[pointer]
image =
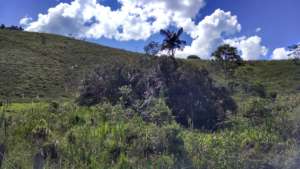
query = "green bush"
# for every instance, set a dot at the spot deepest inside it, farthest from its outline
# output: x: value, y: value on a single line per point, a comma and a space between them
x: 255, y: 89
x: 158, y: 112
x: 40, y: 131
x: 257, y: 110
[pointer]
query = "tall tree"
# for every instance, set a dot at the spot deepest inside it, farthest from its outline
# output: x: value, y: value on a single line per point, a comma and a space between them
x: 2, y: 26
x: 172, y: 41
x: 227, y: 58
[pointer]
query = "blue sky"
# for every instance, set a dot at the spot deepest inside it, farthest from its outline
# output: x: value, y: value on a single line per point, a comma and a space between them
x: 278, y: 21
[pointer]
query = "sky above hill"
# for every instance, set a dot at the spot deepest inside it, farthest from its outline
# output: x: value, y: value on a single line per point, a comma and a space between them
x: 260, y: 29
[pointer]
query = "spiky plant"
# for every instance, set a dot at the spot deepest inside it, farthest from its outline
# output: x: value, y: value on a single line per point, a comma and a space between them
x: 172, y: 41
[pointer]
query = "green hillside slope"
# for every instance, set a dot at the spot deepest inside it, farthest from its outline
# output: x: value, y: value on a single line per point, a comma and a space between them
x: 51, y: 66
x: 35, y: 64
x: 276, y: 76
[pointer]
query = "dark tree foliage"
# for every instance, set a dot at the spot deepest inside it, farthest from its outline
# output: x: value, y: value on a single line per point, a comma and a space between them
x: 172, y: 41
x: 18, y: 28
x: 103, y: 85
x: 191, y: 95
x: 188, y: 91
x: 152, y: 49
x: 227, y: 58
x: 193, y: 57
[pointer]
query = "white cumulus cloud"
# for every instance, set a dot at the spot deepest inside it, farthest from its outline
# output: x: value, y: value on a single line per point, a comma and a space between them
x: 209, y: 33
x: 280, y: 54
x: 251, y: 47
x: 25, y: 21
x: 135, y: 20
x: 139, y: 19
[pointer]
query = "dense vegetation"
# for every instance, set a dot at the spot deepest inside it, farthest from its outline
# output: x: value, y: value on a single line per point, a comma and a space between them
x: 142, y: 112
x: 188, y: 91
x: 265, y: 134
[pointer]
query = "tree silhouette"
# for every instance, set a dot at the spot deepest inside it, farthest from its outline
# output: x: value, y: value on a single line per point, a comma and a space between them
x: 227, y: 58
x: 172, y: 41
x: 2, y: 26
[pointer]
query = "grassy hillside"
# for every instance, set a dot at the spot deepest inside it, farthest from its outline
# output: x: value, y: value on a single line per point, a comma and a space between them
x: 280, y: 76
x: 50, y: 66
x: 35, y: 64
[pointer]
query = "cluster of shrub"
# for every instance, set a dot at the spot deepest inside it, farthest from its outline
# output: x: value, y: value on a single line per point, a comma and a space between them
x: 13, y: 27
x: 188, y: 91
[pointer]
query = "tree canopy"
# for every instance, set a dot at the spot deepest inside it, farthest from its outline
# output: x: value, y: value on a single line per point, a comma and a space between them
x: 227, y: 58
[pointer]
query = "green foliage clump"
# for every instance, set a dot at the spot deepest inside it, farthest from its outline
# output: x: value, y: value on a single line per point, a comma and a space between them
x: 256, y: 89
x: 257, y: 110
x: 158, y: 112
x: 40, y: 131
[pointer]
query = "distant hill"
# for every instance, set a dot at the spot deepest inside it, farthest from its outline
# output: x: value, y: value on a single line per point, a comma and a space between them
x: 50, y: 66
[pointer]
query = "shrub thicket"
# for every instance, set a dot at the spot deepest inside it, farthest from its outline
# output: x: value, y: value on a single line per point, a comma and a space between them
x: 188, y: 91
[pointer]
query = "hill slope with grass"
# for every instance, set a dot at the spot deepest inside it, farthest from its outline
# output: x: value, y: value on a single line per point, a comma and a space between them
x: 50, y: 66
x: 44, y: 65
